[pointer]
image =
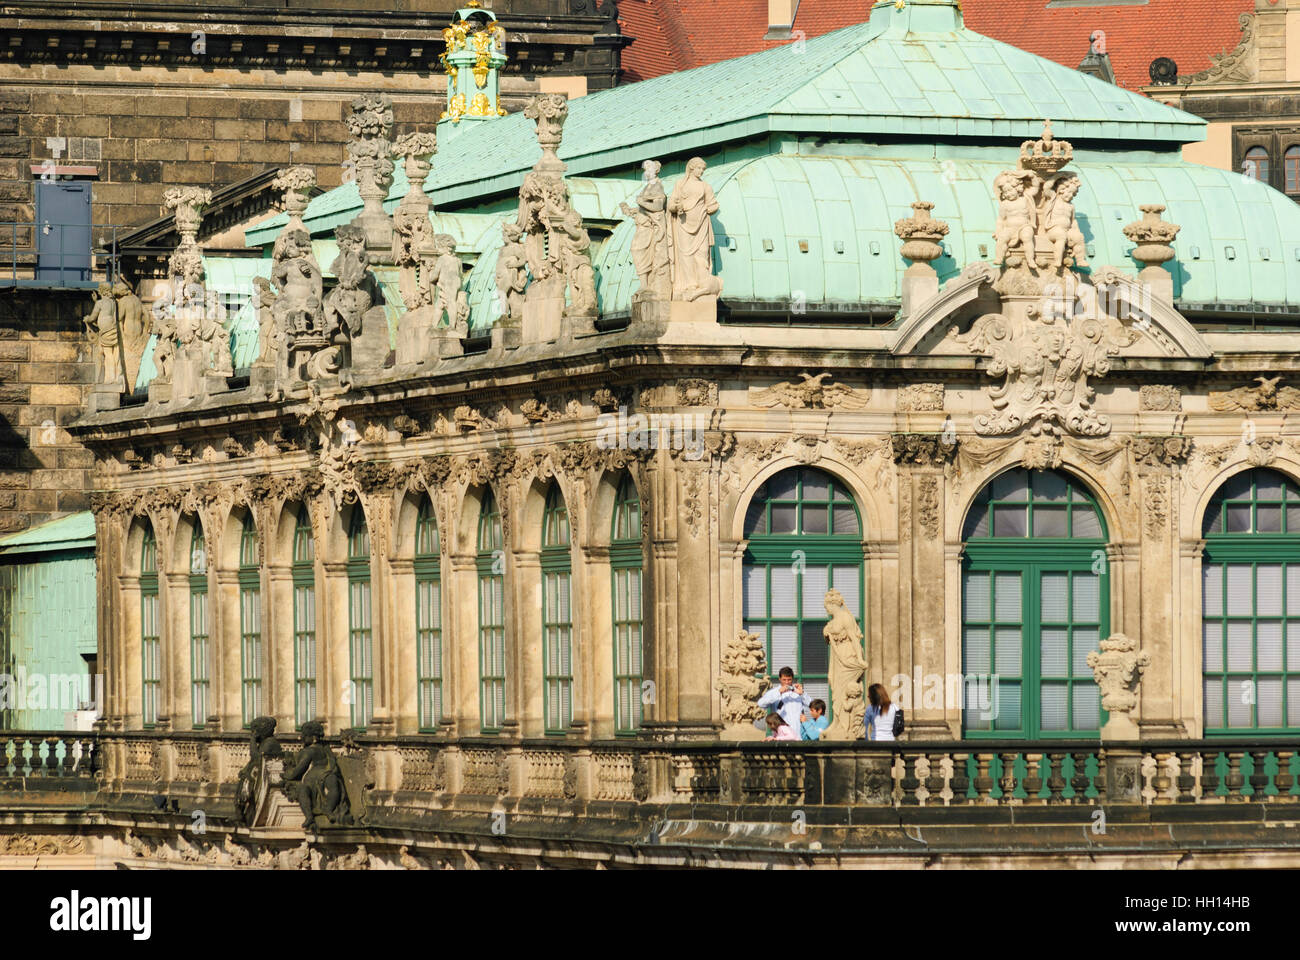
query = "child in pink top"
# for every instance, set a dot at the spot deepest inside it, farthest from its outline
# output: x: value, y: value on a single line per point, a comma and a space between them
x: 780, y: 729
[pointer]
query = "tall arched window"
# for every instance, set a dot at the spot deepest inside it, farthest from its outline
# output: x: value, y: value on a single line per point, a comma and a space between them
x: 428, y: 617
x: 360, y: 622
x: 250, y: 622
x: 150, y: 642
x: 557, y: 616
x: 1291, y: 170
x: 1256, y: 164
x: 1034, y: 604
x: 805, y: 537
x: 200, y: 652
x: 625, y: 571
x: 1251, y: 605
x: 491, y: 617
x: 303, y: 572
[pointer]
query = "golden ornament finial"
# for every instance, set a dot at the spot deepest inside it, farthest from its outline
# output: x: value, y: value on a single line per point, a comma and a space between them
x: 899, y: 4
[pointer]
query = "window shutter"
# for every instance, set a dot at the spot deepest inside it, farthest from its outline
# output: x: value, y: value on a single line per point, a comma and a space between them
x: 1054, y: 713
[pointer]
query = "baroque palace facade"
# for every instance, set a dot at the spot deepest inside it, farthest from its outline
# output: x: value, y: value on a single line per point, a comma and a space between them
x: 836, y: 357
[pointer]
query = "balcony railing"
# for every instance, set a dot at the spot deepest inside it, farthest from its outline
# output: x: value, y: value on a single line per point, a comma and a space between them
x: 900, y: 774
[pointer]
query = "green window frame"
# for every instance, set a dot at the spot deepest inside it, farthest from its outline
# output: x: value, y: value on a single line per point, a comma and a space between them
x: 490, y: 563
x: 804, y: 536
x: 428, y: 618
x: 150, y: 632
x: 303, y: 577
x: 200, y: 631
x: 557, y: 616
x: 1035, y: 602
x: 251, y: 653
x: 627, y: 582
x: 361, y: 649
x: 1250, y: 606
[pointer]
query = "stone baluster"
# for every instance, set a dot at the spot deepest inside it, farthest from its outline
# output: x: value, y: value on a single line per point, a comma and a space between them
x: 1259, y: 776
x: 1210, y: 776
x: 910, y: 781
x: 1235, y: 781
x: 1186, y: 778
x: 1007, y: 781
x: 1160, y: 780
x: 1056, y: 777
x: 935, y: 779
x: 1079, y: 782
x: 4, y: 756
x: 53, y: 768
x: 983, y: 779
x: 1033, y: 778
x: 960, y: 780
x: 1284, y: 780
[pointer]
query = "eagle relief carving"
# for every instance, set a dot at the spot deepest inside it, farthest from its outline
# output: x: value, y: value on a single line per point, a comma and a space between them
x: 811, y: 392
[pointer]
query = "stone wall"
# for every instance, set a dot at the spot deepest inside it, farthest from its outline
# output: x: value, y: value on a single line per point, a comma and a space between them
x: 46, y: 369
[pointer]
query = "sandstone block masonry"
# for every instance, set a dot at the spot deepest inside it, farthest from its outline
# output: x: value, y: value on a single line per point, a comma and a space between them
x: 46, y: 371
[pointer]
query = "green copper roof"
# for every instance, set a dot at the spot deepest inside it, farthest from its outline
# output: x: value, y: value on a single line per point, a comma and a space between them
x: 1240, y: 240
x: 73, y: 532
x: 910, y: 72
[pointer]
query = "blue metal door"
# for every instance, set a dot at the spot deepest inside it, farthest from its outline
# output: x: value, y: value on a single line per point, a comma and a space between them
x: 62, y: 231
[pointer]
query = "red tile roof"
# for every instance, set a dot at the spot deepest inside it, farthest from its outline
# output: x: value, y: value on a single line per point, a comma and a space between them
x: 1186, y: 31
x: 680, y: 34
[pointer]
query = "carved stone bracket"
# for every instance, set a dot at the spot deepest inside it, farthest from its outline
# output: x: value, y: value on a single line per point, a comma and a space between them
x: 923, y: 449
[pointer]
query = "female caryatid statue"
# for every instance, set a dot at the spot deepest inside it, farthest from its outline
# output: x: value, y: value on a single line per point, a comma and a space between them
x: 847, y: 666
x: 691, y: 206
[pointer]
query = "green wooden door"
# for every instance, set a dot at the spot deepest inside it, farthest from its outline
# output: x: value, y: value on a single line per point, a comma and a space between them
x: 1034, y: 604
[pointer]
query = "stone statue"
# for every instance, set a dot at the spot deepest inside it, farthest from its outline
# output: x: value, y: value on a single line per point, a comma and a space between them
x: 134, y: 329
x: 512, y: 272
x: 1017, y: 217
x: 847, y: 667
x: 1060, y: 227
x: 269, y: 337
x: 1118, y: 670
x: 315, y: 781
x: 411, y: 227
x: 571, y: 242
x: 650, y: 250
x: 444, y: 282
x: 357, y: 290
x: 164, y: 348
x: 101, y: 323
x: 298, y: 309
x: 254, y: 779
x: 214, y: 336
x: 692, y: 206
x: 741, y: 682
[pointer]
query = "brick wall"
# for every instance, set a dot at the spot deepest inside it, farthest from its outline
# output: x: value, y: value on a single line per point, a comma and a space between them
x: 46, y: 369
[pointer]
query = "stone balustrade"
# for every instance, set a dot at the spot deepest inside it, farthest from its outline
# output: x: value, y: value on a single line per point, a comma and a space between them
x: 900, y: 774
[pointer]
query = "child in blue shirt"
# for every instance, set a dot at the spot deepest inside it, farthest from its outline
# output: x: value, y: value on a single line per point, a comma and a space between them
x: 812, y: 726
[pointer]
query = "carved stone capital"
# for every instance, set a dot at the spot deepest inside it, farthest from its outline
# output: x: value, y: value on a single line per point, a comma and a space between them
x: 923, y: 449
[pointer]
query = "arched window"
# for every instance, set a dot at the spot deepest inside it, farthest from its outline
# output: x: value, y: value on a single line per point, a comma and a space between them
x: 250, y: 621
x: 1250, y: 605
x: 303, y: 572
x: 805, y: 537
x: 1291, y: 170
x: 625, y: 570
x: 428, y: 617
x: 360, y: 623
x: 491, y: 617
x: 150, y: 642
x: 1034, y: 604
x: 200, y: 652
x: 557, y: 616
x: 1256, y: 164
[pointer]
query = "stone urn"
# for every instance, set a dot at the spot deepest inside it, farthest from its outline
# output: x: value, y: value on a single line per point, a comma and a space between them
x: 1152, y: 235
x: 295, y: 184
x: 1118, y: 669
x: 922, y: 236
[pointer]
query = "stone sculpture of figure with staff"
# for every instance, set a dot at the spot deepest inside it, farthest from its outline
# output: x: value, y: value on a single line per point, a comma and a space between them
x: 846, y: 670
x: 692, y: 206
